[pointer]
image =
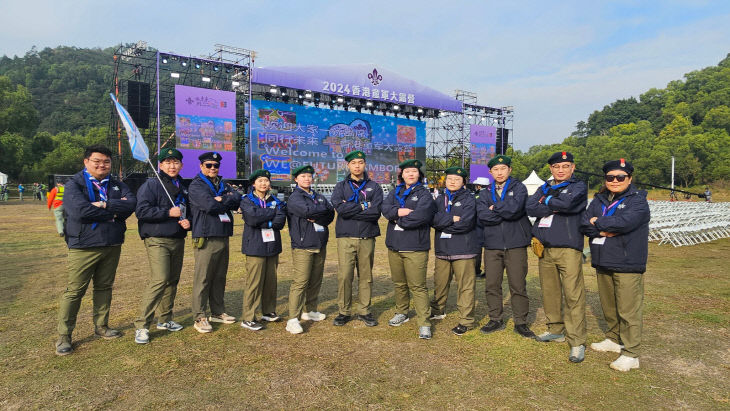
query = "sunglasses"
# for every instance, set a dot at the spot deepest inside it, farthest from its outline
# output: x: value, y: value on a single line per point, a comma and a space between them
x: 212, y: 165
x: 620, y: 178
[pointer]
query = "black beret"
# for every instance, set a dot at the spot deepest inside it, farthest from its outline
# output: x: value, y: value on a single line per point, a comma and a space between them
x: 259, y: 173
x: 169, y: 153
x: 561, y: 157
x: 210, y: 156
x: 459, y: 171
x: 500, y: 159
x: 354, y: 154
x: 302, y: 169
x: 410, y: 163
x: 620, y: 164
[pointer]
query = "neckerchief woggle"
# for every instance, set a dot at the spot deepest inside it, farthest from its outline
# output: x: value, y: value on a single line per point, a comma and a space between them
x: 611, y: 209
x: 91, y: 182
x: 221, y: 188
x: 450, y: 196
x: 546, y: 187
x: 402, y: 200
x: 356, y: 188
x: 504, y: 191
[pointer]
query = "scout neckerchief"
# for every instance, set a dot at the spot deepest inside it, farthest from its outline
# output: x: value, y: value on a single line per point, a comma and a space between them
x: 217, y: 191
x: 608, y: 211
x: 356, y: 188
x: 102, y: 187
x: 313, y: 196
x: 504, y: 191
x: 401, y: 186
x: 448, y: 199
x: 173, y: 187
x: 546, y: 187
x: 263, y: 203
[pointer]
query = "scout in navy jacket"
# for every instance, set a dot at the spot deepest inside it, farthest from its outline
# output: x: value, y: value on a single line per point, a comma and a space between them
x: 566, y: 202
x: 259, y: 214
x: 206, y: 210
x: 153, y: 207
x: 463, y: 235
x: 416, y: 226
x: 506, y: 225
x: 91, y: 226
x: 358, y: 208
x: 303, y: 207
x: 627, y: 216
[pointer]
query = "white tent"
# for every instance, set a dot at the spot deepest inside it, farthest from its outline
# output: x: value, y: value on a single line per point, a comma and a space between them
x: 3, y: 178
x: 533, y: 182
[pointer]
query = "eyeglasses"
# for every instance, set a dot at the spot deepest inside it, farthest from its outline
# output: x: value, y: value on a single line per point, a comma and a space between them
x: 558, y: 166
x: 620, y: 178
x: 212, y: 165
x: 101, y: 162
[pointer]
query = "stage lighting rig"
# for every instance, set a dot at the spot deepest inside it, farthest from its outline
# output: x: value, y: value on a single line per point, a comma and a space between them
x: 164, y: 59
x: 184, y: 63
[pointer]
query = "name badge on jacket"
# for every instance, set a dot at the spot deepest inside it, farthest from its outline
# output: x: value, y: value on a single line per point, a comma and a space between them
x: 546, y: 222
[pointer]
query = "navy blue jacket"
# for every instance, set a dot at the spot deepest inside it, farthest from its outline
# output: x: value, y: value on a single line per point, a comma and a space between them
x: 205, y: 210
x: 628, y: 251
x: 464, y: 237
x: 506, y: 226
x: 300, y: 209
x: 90, y: 226
x: 256, y: 218
x: 567, y: 205
x: 353, y: 219
x: 416, y: 234
x: 153, y: 208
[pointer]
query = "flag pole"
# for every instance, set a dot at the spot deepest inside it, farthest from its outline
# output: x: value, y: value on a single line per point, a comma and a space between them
x: 160, y: 180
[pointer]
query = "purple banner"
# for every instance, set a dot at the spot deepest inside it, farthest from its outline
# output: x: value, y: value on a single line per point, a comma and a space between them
x: 483, y: 148
x: 357, y: 81
x: 205, y: 120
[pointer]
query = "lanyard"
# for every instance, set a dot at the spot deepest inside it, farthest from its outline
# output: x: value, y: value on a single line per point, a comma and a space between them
x: 355, y: 188
x: 450, y: 196
x: 221, y: 188
x: 546, y: 187
x: 402, y: 199
x: 611, y: 209
x: 504, y: 191
x: 262, y: 203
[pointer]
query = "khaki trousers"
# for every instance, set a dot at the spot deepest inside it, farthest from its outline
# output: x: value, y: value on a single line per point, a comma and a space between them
x: 463, y: 272
x: 514, y: 260
x: 97, y: 264
x: 304, y: 290
x: 351, y: 253
x: 622, y: 301
x: 408, y: 272
x: 58, y: 215
x: 561, y: 277
x: 260, y: 287
x: 166, y: 260
x: 209, y: 280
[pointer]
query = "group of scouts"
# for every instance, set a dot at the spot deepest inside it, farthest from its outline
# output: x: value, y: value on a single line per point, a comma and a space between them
x: 496, y: 219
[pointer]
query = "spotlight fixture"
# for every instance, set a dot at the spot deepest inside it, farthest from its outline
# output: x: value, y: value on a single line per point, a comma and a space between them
x: 197, y: 64
x: 184, y: 63
x: 228, y: 69
x: 396, y: 107
x: 164, y: 60
x: 369, y: 104
x: 175, y: 75
x: 273, y: 90
x: 340, y: 99
x: 216, y: 68
x: 420, y: 110
x: 308, y: 95
x: 235, y: 84
x: 206, y: 79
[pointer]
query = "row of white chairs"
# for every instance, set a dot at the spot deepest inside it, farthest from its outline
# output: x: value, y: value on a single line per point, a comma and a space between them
x: 682, y: 223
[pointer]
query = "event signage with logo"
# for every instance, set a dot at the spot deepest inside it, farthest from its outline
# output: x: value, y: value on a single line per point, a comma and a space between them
x: 483, y: 148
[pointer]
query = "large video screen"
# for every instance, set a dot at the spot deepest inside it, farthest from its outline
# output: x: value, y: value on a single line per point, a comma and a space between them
x: 287, y: 136
x: 205, y: 120
x: 483, y: 148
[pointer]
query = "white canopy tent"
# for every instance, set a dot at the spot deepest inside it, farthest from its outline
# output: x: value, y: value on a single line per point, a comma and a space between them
x: 3, y: 178
x: 533, y: 182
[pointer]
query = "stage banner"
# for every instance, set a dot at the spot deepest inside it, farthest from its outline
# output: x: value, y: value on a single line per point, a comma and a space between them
x: 483, y: 147
x: 205, y: 120
x: 286, y: 136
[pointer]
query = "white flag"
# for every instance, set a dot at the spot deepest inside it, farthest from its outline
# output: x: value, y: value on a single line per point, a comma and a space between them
x: 136, y: 142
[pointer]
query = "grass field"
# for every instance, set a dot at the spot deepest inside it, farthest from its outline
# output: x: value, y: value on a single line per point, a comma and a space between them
x: 685, y: 361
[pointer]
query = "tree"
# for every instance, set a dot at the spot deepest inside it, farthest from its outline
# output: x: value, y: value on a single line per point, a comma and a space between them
x: 17, y: 114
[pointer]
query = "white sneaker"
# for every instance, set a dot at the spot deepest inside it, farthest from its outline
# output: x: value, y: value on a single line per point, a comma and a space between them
x: 313, y: 316
x: 625, y: 363
x: 142, y: 336
x: 607, y: 346
x: 294, y: 327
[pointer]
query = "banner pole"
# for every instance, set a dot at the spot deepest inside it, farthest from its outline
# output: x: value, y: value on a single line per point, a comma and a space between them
x: 160, y: 180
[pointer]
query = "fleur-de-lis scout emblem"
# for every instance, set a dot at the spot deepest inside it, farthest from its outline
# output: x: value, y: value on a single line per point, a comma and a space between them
x: 374, y: 77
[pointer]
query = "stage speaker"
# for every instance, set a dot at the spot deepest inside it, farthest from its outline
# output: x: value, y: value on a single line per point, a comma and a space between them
x: 138, y: 103
x: 502, y: 140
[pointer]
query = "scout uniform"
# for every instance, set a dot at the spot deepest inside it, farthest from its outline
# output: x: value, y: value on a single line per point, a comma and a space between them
x: 263, y: 221
x: 506, y: 236
x: 212, y: 225
x: 309, y: 247
x: 558, y: 209
x: 164, y: 240
x: 55, y: 201
x: 408, y: 242
x: 620, y: 262
x: 456, y: 245
x: 358, y: 206
x: 94, y: 236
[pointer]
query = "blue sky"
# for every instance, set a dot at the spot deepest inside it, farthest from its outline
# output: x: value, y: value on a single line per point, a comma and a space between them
x: 555, y: 62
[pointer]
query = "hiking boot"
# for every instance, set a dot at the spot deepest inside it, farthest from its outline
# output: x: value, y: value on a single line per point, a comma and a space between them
x: 424, y: 332
x: 169, y: 326
x: 107, y: 333
x: 341, y: 320
x: 202, y: 325
x: 492, y: 326
x: 252, y: 325
x: 577, y: 354
x: 294, y: 327
x: 313, y: 316
x: 63, y: 345
x: 271, y: 317
x: 548, y: 337
x: 459, y: 330
x: 142, y: 336
x: 607, y: 346
x: 625, y: 363
x: 368, y: 319
x: 398, y: 320
x: 222, y: 318
x: 524, y: 330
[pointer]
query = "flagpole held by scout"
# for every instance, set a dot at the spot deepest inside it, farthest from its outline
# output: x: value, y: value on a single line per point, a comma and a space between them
x: 136, y: 142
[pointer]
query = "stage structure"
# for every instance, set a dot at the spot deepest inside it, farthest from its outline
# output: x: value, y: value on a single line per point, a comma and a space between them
x: 195, y: 104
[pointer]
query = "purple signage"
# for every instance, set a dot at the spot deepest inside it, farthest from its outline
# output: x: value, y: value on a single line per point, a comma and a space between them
x: 205, y: 120
x: 483, y: 148
x: 357, y: 81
